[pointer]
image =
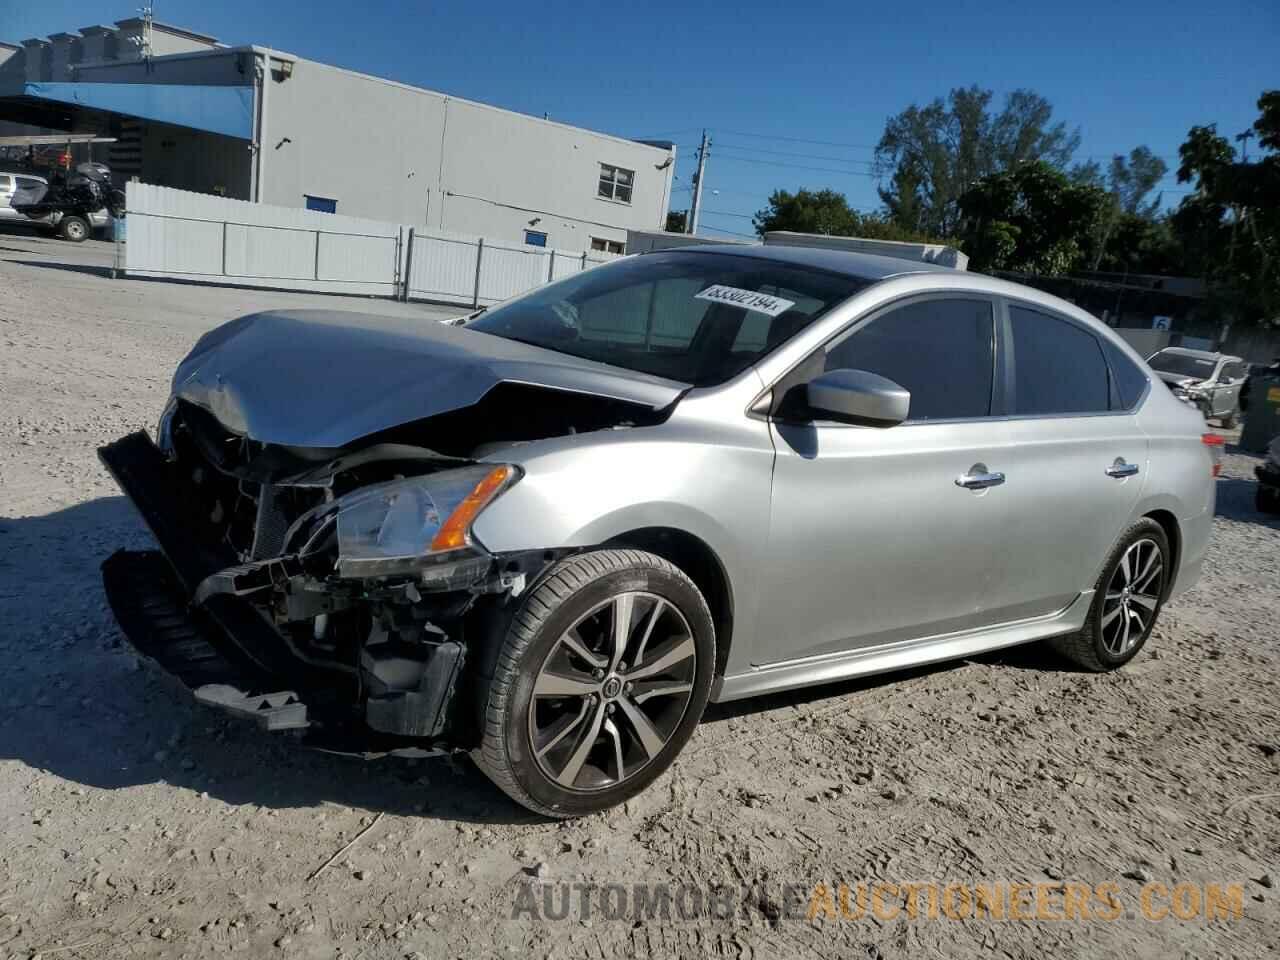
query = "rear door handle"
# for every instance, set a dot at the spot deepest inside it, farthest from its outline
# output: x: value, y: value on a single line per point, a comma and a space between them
x: 1120, y: 469
x: 979, y: 478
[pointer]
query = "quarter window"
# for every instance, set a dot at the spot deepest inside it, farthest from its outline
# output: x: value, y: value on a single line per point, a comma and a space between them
x: 942, y: 351
x: 1127, y: 379
x: 1058, y: 367
x: 616, y: 183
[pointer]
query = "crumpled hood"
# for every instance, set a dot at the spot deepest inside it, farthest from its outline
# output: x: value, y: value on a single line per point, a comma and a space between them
x: 324, y: 378
x: 1178, y: 379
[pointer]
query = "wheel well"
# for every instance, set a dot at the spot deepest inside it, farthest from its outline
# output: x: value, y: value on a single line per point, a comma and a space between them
x: 703, y: 567
x: 1169, y: 523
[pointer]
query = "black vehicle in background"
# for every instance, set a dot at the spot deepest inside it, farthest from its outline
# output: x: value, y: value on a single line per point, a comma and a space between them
x: 72, y: 203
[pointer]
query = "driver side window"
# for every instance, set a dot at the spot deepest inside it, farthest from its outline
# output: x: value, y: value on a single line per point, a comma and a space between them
x: 941, y: 350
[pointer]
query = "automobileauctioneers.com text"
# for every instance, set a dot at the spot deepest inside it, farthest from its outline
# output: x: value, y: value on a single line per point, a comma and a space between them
x: 927, y: 901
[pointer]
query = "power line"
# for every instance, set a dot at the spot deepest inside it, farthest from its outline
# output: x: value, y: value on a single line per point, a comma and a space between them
x: 773, y: 136
x: 734, y: 233
x: 800, y: 166
x: 785, y: 153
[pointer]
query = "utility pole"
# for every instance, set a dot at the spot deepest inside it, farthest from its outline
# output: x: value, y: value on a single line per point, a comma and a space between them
x: 691, y: 225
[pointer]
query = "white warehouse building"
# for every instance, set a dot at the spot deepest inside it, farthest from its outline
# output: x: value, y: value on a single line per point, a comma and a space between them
x: 257, y: 124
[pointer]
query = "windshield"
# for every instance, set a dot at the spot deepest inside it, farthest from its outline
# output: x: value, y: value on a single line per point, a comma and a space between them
x: 699, y: 318
x: 1182, y: 365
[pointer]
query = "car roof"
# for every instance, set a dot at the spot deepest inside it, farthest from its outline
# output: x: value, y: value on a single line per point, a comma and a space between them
x: 23, y: 173
x: 863, y: 266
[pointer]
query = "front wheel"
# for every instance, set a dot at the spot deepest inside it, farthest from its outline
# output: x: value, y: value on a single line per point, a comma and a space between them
x: 1127, y: 599
x: 75, y: 229
x: 601, y: 679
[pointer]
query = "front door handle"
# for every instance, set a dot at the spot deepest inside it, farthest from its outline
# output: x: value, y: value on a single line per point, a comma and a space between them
x: 1120, y: 469
x: 979, y: 478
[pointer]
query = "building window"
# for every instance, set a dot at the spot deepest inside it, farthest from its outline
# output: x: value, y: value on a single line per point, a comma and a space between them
x: 321, y: 204
x: 535, y: 238
x: 616, y: 183
x: 606, y: 246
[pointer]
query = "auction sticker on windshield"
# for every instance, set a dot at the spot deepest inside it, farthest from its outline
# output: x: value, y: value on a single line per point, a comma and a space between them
x: 746, y: 299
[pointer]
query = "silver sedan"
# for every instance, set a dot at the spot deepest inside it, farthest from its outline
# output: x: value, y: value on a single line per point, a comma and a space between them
x: 552, y: 534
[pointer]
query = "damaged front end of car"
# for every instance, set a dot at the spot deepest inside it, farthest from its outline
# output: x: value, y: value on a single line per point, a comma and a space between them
x: 312, y: 488
x: 318, y: 590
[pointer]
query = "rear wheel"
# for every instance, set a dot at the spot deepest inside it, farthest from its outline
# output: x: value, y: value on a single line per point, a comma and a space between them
x: 75, y: 229
x: 602, y: 677
x: 1127, y: 599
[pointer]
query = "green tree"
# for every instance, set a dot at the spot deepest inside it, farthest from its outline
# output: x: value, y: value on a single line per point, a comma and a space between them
x: 1133, y: 178
x: 1030, y: 219
x: 826, y: 212
x: 1130, y: 217
x: 676, y: 221
x: 932, y: 154
x: 808, y: 211
x: 1229, y: 228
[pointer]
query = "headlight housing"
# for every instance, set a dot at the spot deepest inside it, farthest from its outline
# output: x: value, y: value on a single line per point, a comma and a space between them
x: 406, y: 525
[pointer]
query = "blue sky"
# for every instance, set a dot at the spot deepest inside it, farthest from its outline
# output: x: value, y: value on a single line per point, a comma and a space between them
x: 1126, y: 72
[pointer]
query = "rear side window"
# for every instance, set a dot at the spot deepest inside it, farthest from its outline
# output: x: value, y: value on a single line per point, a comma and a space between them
x: 940, y: 350
x: 1127, y: 379
x: 1058, y: 367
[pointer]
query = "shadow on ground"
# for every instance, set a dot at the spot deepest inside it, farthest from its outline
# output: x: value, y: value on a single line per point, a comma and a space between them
x: 86, y: 268
x: 1236, y: 501
x: 75, y: 701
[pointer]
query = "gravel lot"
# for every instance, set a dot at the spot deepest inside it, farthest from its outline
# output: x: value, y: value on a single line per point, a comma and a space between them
x: 138, y: 824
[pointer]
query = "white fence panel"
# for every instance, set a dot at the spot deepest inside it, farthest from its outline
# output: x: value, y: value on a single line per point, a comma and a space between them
x: 194, y: 236
x: 566, y: 264
x: 443, y: 268
x: 508, y: 270
x: 199, y: 237
x: 345, y: 256
x: 255, y: 253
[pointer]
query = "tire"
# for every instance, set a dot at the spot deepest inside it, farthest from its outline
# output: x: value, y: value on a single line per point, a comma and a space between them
x: 1099, y: 646
x: 75, y: 229
x: 1229, y: 421
x: 532, y: 746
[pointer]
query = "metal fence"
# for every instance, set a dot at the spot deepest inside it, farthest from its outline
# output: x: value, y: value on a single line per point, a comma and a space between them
x: 197, y: 237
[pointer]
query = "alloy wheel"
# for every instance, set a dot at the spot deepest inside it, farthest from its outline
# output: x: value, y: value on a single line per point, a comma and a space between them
x: 1133, y: 596
x: 612, y: 691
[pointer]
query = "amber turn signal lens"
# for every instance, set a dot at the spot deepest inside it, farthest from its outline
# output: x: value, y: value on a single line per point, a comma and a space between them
x: 453, y: 532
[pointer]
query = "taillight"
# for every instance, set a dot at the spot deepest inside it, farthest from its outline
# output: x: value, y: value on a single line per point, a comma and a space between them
x: 1215, y: 443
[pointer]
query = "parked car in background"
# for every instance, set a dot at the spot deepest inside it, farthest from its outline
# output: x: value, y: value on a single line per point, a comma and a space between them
x: 1210, y: 382
x: 551, y: 534
x: 11, y: 183
x: 76, y: 226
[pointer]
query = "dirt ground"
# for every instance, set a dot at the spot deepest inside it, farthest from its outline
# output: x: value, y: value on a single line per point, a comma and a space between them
x: 137, y: 824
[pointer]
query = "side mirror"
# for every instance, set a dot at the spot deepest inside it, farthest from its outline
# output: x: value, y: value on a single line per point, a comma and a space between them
x: 858, y: 396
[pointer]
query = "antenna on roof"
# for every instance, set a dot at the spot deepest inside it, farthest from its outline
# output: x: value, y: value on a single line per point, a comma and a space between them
x: 148, y: 18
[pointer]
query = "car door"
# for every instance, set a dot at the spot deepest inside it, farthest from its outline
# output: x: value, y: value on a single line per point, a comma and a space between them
x: 1075, y: 464
x: 6, y: 197
x: 872, y: 540
x: 1226, y: 388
